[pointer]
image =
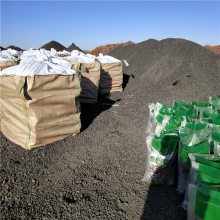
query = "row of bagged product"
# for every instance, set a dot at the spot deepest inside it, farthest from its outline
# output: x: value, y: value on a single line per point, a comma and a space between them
x: 101, y: 74
x: 41, y: 92
x: 187, y: 134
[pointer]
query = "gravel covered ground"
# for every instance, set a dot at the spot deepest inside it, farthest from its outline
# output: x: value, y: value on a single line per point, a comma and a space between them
x: 97, y: 174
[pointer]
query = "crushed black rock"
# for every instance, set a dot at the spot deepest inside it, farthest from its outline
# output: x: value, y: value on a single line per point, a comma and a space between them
x: 119, y: 160
x: 176, y: 82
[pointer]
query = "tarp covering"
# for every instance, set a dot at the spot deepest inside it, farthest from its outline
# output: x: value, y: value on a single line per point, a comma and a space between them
x: 77, y: 56
x: 39, y: 62
x: 107, y: 59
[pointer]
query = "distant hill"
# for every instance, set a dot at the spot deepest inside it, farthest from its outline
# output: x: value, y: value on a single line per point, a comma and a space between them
x: 73, y: 47
x: 105, y: 49
x: 54, y: 44
x: 2, y: 48
x: 214, y: 49
x: 14, y: 48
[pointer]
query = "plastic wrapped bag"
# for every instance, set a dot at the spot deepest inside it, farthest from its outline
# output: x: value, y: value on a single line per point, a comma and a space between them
x: 200, y: 104
x: 193, y: 139
x: 200, y: 107
x: 204, y: 202
x: 167, y: 123
x: 161, y: 153
x: 215, y: 102
x: 151, y: 119
x: 215, y: 141
x: 158, y: 113
x: 205, y: 168
x: 185, y: 110
x: 203, y: 191
x: 210, y: 116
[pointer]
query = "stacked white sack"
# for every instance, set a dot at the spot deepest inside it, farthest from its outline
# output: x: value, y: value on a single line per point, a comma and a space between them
x: 39, y: 62
x: 5, y: 56
x: 90, y: 56
x: 77, y: 56
x: 11, y: 52
x: 63, y: 53
x: 53, y: 52
x: 28, y: 54
x: 107, y: 59
x: 32, y: 53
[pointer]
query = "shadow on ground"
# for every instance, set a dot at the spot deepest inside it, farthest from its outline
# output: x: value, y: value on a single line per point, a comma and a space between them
x: 162, y: 201
x: 90, y: 111
x: 126, y: 79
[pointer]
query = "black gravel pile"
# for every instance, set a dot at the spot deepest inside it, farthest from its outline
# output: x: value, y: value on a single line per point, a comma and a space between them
x: 54, y: 44
x: 171, y: 68
x: 73, y: 47
x: 14, y: 48
x: 97, y: 174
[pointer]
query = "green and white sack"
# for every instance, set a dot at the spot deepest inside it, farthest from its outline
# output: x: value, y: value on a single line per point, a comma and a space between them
x: 200, y: 104
x: 200, y: 107
x: 151, y: 117
x: 204, y: 202
x: 166, y: 123
x: 161, y: 153
x: 156, y: 114
x: 211, y: 116
x: 205, y: 169
x: 215, y: 102
x: 193, y: 139
x: 215, y: 142
x: 184, y: 109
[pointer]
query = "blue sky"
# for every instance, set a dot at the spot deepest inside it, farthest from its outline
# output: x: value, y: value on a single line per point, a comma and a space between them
x: 89, y: 24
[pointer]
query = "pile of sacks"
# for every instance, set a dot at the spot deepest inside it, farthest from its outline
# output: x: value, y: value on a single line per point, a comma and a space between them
x: 41, y: 93
x: 189, y: 133
x: 99, y: 75
x: 8, y: 58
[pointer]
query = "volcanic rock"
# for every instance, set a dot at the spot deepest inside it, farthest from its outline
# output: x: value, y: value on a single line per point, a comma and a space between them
x: 54, y: 44
x: 73, y: 47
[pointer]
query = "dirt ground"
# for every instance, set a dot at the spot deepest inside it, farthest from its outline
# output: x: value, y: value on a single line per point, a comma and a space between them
x: 98, y: 173
x: 94, y: 175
